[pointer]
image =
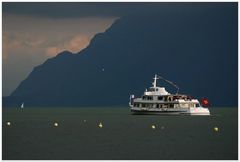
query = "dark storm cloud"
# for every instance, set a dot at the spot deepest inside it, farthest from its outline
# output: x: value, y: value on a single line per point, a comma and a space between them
x: 73, y: 9
x: 93, y: 9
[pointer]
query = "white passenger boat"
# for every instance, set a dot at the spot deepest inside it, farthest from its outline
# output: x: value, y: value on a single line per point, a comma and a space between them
x: 156, y: 100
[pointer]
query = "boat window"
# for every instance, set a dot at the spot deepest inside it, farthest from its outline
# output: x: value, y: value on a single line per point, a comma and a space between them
x: 164, y: 106
x: 150, y: 98
x: 176, y: 105
x: 153, y: 89
x: 149, y: 105
x: 184, y: 105
x: 165, y: 98
x: 160, y: 98
x: 136, y: 104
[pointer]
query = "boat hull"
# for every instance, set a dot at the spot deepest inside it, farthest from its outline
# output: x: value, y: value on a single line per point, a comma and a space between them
x: 170, y: 111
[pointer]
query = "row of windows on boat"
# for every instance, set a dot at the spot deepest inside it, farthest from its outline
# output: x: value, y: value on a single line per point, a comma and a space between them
x: 153, y: 89
x: 154, y: 105
x: 164, y: 98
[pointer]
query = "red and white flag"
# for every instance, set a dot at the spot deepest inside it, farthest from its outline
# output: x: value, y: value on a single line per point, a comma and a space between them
x: 204, y: 102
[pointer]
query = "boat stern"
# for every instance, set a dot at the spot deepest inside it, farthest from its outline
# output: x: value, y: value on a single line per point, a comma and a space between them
x: 199, y: 111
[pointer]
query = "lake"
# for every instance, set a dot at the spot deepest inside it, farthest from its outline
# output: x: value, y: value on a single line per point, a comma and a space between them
x: 32, y: 135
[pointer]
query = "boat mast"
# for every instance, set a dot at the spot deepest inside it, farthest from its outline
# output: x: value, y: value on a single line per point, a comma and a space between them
x: 155, y: 81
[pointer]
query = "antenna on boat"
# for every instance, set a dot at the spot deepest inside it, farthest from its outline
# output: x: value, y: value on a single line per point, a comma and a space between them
x: 169, y: 83
x: 155, y: 81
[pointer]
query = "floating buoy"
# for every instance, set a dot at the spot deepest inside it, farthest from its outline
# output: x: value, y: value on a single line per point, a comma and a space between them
x: 100, y: 125
x: 55, y: 124
x: 153, y: 127
x: 8, y: 123
x: 84, y: 121
x: 216, y: 129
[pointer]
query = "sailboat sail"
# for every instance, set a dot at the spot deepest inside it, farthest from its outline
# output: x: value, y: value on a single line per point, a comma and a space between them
x: 22, y: 106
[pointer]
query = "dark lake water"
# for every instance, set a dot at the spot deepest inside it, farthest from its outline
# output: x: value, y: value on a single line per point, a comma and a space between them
x: 32, y: 134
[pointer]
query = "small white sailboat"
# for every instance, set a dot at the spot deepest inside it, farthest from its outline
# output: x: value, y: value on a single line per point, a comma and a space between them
x: 22, y: 106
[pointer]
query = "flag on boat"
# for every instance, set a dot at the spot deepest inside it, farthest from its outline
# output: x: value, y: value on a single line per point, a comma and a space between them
x: 205, y: 102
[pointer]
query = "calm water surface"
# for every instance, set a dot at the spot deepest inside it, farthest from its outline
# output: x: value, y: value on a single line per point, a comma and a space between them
x: 32, y: 134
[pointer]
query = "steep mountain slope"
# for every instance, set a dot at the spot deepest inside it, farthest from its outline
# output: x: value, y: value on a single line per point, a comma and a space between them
x: 193, y: 45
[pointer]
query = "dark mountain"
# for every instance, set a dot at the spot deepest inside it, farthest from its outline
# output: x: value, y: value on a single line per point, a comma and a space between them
x: 193, y: 45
